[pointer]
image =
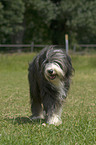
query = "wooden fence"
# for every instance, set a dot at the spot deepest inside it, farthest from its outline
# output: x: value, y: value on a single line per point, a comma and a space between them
x: 32, y: 47
x: 83, y: 46
x: 21, y: 47
x: 25, y: 47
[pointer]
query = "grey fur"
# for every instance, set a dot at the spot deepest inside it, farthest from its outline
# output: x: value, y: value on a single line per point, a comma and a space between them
x: 44, y: 95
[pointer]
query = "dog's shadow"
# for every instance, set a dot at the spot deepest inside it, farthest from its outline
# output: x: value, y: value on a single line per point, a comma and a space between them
x: 24, y: 120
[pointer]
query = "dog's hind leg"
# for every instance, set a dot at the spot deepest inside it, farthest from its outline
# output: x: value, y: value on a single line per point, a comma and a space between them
x: 37, y: 110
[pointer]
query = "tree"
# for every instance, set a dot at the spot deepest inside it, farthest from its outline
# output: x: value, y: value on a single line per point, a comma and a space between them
x: 76, y: 18
x: 11, y: 18
x: 38, y: 16
x: 84, y: 21
x: 47, y: 21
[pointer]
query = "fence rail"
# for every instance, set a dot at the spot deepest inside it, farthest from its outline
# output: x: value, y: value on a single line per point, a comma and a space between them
x: 15, y: 45
x: 83, y: 46
x: 31, y: 47
x: 26, y: 45
x: 87, y: 45
x: 20, y: 47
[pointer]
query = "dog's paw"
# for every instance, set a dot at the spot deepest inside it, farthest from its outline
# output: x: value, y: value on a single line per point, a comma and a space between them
x: 55, y: 120
x: 43, y: 124
x: 33, y: 117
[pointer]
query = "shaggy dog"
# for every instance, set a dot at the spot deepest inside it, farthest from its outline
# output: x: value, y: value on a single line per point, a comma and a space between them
x: 49, y: 81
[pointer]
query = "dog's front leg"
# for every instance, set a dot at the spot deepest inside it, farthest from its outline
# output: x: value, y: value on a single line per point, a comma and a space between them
x: 54, y: 116
x: 53, y: 111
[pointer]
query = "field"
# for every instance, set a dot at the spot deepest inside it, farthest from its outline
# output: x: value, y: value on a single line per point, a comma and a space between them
x: 79, y: 113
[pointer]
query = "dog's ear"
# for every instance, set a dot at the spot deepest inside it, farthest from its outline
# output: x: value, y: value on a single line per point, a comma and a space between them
x: 70, y: 69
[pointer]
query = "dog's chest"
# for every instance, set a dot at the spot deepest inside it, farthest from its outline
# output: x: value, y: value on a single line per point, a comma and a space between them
x: 61, y: 90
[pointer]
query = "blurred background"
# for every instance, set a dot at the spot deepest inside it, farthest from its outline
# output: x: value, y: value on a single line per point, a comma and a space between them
x: 47, y: 22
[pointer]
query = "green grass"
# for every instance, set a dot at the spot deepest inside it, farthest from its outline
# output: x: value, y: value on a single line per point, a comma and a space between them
x: 79, y: 113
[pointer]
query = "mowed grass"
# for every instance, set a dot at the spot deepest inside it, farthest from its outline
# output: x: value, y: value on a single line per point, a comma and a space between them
x: 79, y: 112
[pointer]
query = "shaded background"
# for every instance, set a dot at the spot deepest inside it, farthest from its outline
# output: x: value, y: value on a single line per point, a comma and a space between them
x: 47, y: 21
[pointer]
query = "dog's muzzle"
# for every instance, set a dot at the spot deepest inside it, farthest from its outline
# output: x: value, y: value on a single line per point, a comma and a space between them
x: 51, y: 74
x: 52, y: 71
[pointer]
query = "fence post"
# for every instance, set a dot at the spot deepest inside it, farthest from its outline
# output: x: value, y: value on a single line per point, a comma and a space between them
x: 74, y: 47
x: 66, y: 42
x: 32, y: 46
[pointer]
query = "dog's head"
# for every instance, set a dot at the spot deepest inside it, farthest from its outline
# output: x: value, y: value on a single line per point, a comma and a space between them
x: 57, y: 66
x: 53, y: 71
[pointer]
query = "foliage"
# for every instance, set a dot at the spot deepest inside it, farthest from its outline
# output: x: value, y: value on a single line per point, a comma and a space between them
x: 11, y: 18
x: 38, y: 16
x: 47, y: 21
x: 79, y: 117
x: 76, y: 18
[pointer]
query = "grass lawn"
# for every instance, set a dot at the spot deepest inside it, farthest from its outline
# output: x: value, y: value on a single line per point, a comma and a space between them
x: 79, y: 113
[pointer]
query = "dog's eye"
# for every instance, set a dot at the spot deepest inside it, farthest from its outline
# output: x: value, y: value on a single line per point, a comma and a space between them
x: 46, y: 61
x: 58, y: 64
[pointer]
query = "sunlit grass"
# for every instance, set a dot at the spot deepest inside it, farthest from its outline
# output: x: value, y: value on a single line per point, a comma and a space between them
x: 79, y: 117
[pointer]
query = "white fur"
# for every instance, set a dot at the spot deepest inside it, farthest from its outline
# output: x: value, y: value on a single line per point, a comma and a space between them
x: 61, y: 89
x: 36, y: 117
x: 57, y: 81
x: 56, y: 70
x: 55, y: 119
x: 55, y: 67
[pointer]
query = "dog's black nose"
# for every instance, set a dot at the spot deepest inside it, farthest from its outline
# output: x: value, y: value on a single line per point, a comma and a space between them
x: 50, y: 71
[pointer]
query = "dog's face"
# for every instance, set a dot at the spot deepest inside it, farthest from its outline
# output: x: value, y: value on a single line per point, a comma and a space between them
x: 54, y: 73
x: 56, y: 66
